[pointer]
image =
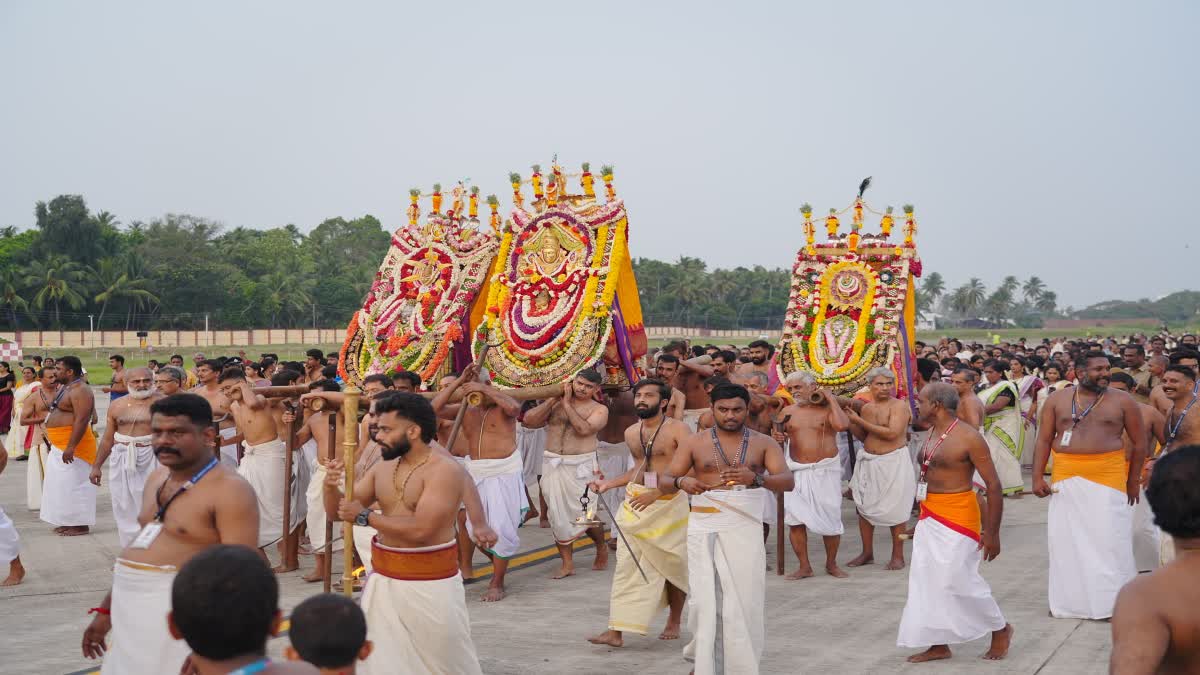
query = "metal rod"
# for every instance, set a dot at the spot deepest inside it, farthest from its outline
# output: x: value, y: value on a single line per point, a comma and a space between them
x: 600, y: 498
x: 350, y: 417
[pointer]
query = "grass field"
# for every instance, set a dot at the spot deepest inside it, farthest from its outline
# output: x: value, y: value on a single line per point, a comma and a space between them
x: 96, y: 361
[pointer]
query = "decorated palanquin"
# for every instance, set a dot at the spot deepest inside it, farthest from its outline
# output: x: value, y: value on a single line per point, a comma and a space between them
x: 562, y: 296
x: 851, y: 306
x: 416, y: 315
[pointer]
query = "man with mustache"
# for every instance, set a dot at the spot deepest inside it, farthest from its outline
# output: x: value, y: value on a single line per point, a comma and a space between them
x: 414, y: 602
x: 762, y: 361
x: 1090, y: 521
x: 127, y: 439
x: 208, y: 373
x: 654, y: 523
x: 689, y: 377
x: 191, y: 502
x: 68, y: 497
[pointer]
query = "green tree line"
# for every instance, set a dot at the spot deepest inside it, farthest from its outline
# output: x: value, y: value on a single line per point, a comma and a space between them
x: 1012, y: 302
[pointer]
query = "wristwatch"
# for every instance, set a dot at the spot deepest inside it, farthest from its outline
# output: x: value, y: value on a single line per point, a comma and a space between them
x: 362, y: 518
x: 759, y: 481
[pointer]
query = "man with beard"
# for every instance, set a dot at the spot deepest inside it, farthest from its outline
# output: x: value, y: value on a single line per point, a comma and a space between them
x: 208, y: 373
x: 948, y: 601
x: 724, y: 362
x: 726, y: 554
x: 1180, y: 357
x: 809, y: 436
x: 689, y: 379
x: 654, y: 524
x: 68, y: 497
x: 1089, y: 523
x: 762, y: 361
x: 127, y: 439
x: 495, y: 467
x: 191, y: 502
x: 666, y: 369
x: 572, y: 420
x: 414, y: 602
x: 970, y: 407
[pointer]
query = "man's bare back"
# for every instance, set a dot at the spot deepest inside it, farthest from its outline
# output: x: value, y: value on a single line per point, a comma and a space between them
x: 1156, y: 621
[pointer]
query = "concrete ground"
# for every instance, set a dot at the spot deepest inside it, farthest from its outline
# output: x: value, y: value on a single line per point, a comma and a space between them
x: 816, y: 625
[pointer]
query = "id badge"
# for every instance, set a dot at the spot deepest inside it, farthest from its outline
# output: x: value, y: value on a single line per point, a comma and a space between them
x: 922, y: 491
x: 651, y: 480
x: 1066, y: 439
x: 148, y: 534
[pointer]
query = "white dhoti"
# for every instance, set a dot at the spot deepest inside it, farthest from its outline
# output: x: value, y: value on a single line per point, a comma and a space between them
x: 658, y: 537
x: 613, y: 459
x: 262, y: 467
x: 141, y: 599
x: 884, y: 486
x: 501, y: 488
x: 531, y: 443
x: 68, y: 496
x: 692, y: 418
x: 315, y: 517
x: 948, y: 601
x: 419, y: 625
x: 816, y: 500
x: 1089, y: 535
x: 130, y: 464
x: 10, y: 541
x: 229, y: 453
x: 564, y: 478
x: 39, y: 454
x: 310, y: 452
x: 726, y: 582
x: 1147, y: 538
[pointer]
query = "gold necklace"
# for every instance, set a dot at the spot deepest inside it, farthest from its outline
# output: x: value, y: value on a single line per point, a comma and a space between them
x: 401, y: 487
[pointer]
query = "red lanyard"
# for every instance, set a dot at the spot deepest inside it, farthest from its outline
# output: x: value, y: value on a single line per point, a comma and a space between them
x: 929, y: 453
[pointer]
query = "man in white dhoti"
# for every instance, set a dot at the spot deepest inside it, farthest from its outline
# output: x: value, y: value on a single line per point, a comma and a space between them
x: 490, y: 426
x: 948, y: 601
x: 686, y: 373
x: 1089, y: 523
x: 809, y: 430
x: 127, y: 448
x: 68, y: 497
x: 654, y: 524
x: 326, y: 439
x: 1146, y: 537
x: 532, y: 445
x: 208, y: 372
x: 34, y: 411
x: 191, y: 502
x: 1003, y: 426
x: 414, y: 602
x: 612, y: 452
x: 726, y: 553
x: 569, y: 464
x: 883, y: 484
x: 10, y: 542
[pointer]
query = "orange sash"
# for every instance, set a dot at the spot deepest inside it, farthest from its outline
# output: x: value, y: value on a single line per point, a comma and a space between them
x: 958, y: 511
x: 59, y: 437
x: 423, y: 564
x: 1104, y: 468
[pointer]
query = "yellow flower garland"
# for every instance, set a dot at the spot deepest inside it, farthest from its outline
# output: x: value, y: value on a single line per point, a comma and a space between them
x: 589, y: 289
x: 860, y: 335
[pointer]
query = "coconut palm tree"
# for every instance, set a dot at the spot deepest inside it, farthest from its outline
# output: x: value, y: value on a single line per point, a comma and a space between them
x: 114, y: 281
x: 974, y: 294
x: 933, y: 287
x: 12, y: 286
x: 54, y: 281
x: 1046, y: 302
x: 1032, y: 289
x: 1010, y: 284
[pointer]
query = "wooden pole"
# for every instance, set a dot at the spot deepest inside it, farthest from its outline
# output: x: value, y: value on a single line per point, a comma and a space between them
x: 329, y: 454
x: 350, y: 417
x: 289, y: 444
x: 779, y: 528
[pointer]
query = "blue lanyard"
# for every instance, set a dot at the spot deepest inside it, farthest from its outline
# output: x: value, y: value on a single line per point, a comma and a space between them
x: 162, y: 510
x: 1173, y: 431
x: 1076, y: 418
x: 256, y: 667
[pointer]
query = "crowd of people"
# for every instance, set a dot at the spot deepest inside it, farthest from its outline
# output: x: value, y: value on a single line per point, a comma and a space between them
x: 690, y: 465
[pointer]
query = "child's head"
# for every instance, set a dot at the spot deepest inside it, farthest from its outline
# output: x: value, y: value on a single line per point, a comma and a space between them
x: 328, y: 631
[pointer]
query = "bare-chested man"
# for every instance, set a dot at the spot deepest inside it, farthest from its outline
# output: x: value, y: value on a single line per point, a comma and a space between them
x: 762, y: 361
x: 10, y: 541
x: 191, y: 502
x: 1180, y: 357
x: 665, y: 370
x: 127, y: 438
x: 68, y: 496
x: 263, y: 464
x: 808, y: 432
x: 948, y: 601
x: 1096, y: 482
x: 970, y: 406
x: 492, y: 460
x: 1154, y: 625
x: 315, y: 427
x: 207, y: 373
x: 726, y: 553
x: 1182, y: 424
x: 1147, y: 544
x: 612, y: 452
x: 653, y: 523
x: 169, y: 380
x: 314, y: 363
x: 117, y: 387
x: 414, y: 601
x: 724, y: 363
x: 883, y: 484
x: 34, y: 411
x: 689, y: 379
x: 572, y: 421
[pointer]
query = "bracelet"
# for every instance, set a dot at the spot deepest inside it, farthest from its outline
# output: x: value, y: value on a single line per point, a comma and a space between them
x: 99, y: 610
x: 676, y: 481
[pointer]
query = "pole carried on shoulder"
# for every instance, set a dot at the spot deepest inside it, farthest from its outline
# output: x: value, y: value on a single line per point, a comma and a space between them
x: 350, y: 446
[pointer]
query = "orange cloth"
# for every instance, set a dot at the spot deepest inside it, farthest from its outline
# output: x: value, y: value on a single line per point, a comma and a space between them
x: 59, y: 437
x: 957, y: 510
x: 425, y: 564
x: 1104, y: 468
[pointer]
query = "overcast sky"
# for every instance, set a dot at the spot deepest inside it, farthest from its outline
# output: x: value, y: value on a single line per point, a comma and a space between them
x: 1050, y: 138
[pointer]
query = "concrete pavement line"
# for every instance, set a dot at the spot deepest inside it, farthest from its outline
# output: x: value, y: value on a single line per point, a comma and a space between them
x: 1078, y: 623
x: 523, y: 560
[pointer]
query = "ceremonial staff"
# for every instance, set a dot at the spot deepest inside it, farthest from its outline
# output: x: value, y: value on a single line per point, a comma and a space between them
x: 349, y: 447
x: 289, y: 447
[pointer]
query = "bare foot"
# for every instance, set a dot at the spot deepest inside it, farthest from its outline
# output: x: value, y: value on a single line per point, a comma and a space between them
x: 73, y: 531
x: 58, y: 530
x: 281, y: 568
x: 16, y: 572
x: 835, y: 571
x: 612, y: 638
x: 862, y: 559
x: 314, y: 576
x: 612, y: 544
x: 493, y: 594
x: 671, y: 632
x: 601, y: 558
x: 564, y: 572
x: 934, y: 653
x: 1001, y: 639
x: 543, y: 521
x: 802, y: 573
x: 895, y: 564
x: 529, y: 515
